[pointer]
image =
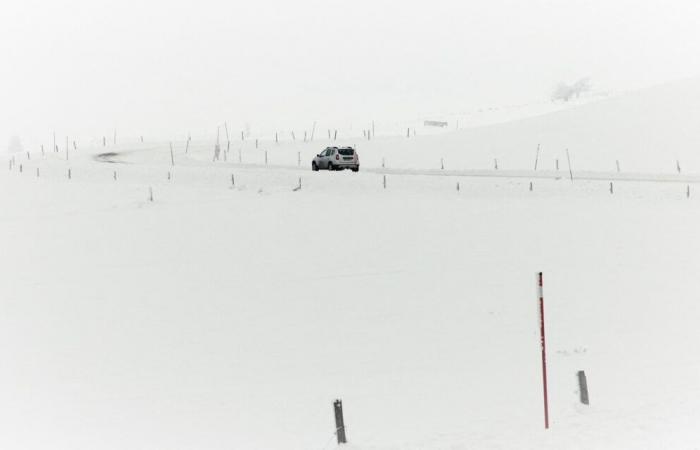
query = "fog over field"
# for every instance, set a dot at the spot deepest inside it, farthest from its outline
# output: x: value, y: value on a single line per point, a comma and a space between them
x: 154, y: 67
x: 185, y: 266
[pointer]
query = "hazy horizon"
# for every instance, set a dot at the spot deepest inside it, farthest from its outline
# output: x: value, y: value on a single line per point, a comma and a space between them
x: 163, y: 68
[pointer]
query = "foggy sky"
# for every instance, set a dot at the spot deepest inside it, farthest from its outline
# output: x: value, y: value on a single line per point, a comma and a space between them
x: 85, y: 67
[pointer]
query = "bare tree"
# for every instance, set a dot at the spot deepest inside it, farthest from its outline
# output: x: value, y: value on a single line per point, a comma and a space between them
x: 566, y: 92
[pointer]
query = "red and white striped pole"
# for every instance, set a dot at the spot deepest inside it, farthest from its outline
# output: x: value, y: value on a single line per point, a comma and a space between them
x: 544, y: 357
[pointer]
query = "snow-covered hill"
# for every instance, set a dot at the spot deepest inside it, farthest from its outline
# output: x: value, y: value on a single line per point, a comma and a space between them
x: 230, y: 316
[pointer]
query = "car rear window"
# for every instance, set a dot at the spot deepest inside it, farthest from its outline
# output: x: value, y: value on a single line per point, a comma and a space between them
x: 346, y: 151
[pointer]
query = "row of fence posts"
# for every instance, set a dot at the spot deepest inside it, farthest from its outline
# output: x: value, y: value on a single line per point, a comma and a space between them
x: 384, y: 179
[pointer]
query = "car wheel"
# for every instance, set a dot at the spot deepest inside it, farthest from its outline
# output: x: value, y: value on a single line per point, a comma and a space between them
x: 314, y: 167
x: 355, y: 169
x: 330, y: 166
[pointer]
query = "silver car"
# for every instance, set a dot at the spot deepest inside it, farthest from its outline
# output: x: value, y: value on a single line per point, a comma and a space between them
x: 337, y: 158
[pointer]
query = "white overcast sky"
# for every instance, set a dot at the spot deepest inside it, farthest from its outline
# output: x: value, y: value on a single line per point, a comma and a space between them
x: 84, y: 67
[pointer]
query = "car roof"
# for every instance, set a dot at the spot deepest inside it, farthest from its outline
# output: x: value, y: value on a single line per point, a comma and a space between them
x: 339, y: 148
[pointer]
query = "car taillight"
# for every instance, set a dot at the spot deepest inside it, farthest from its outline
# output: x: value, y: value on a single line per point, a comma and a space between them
x: 337, y: 157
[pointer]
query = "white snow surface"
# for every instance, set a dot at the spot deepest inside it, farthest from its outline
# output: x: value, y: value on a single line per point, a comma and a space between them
x: 231, y: 317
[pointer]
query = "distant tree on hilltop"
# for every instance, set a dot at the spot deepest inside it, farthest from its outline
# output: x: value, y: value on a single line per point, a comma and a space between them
x: 566, y: 92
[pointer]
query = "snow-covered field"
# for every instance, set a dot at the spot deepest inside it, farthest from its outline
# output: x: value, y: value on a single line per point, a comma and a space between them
x: 230, y: 317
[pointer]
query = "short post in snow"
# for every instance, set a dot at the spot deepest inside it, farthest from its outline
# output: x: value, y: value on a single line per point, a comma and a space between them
x: 611, y: 187
x: 233, y: 181
x: 265, y: 157
x: 530, y: 186
x: 582, y: 386
x: 69, y: 174
x: 495, y: 164
x: 687, y: 191
x: 384, y: 181
x: 339, y: 422
x: 458, y: 186
x: 115, y: 175
x: 150, y: 193
x: 542, y: 344
x: 442, y: 164
x: 568, y: 159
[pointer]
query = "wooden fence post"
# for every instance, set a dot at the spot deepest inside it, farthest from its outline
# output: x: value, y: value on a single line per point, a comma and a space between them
x: 583, y: 387
x: 339, y: 422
